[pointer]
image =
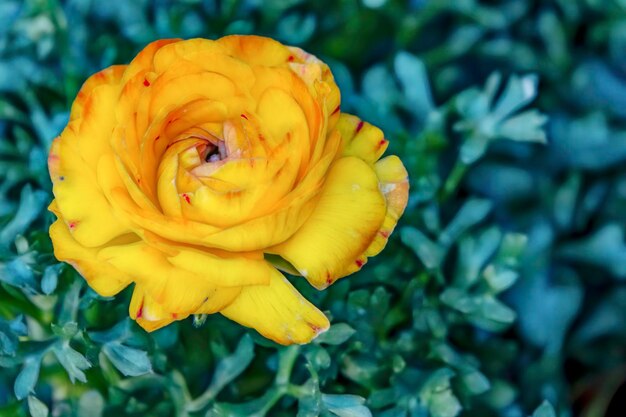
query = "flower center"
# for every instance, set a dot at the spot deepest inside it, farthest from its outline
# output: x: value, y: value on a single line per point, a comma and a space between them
x: 214, y: 153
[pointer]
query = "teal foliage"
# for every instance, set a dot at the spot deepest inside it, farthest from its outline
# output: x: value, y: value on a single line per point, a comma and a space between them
x: 502, y: 291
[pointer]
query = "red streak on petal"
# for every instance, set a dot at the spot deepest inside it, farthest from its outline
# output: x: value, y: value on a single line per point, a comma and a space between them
x: 329, y: 280
x: 359, y: 263
x: 157, y: 138
x: 384, y: 234
x: 382, y: 143
x: 174, y: 315
x: 146, y: 83
x: 244, y: 116
x: 291, y: 58
x: 314, y: 327
x: 337, y: 111
x: 72, y: 225
x: 140, y: 311
x: 359, y: 126
x: 186, y: 197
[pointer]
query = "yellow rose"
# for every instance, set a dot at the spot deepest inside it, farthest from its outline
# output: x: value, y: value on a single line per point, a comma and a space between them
x: 196, y: 168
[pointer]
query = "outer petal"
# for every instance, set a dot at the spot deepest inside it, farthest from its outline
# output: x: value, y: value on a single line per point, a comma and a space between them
x: 151, y: 315
x: 176, y: 290
x: 111, y: 75
x: 361, y: 139
x: 349, y: 213
x: 277, y: 311
x: 82, y: 205
x: 74, y: 157
x: 105, y: 279
x: 394, y: 183
x: 144, y: 59
x: 256, y: 50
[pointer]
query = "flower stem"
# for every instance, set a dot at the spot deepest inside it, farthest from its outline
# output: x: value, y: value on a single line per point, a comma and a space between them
x: 453, y: 180
x: 286, y: 360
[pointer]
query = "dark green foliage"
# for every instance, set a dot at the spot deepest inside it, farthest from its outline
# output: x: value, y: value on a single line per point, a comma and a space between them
x: 501, y: 292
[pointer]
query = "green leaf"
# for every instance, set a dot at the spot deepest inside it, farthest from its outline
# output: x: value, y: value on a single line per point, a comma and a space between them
x: 587, y: 143
x: 444, y: 404
x: 605, y: 320
x: 413, y: 77
x: 379, y: 87
x: 606, y: 249
x: 18, y: 273
x: 544, y: 410
x: 437, y: 395
x: 565, y: 200
x: 493, y: 309
x: 31, y: 204
x: 484, y: 121
x: 473, y: 149
x: 73, y: 362
x: 512, y: 248
x: 50, y: 278
x: 374, y: 4
x: 281, y: 264
x: 319, y: 357
x: 547, y: 304
x: 129, y: 361
x: 71, y: 302
x: 310, y: 405
x: 296, y: 28
x: 475, y: 382
x: 499, y: 279
x: 91, y: 404
x: 27, y: 378
x: 346, y: 405
x: 66, y: 331
x: 526, y: 126
x: 9, y: 335
x: 471, y: 213
x: 232, y: 366
x: 336, y: 335
x: 474, y: 252
x: 118, y: 333
x: 384, y: 397
x: 36, y: 407
x: 483, y: 310
x: 519, y: 92
x: 430, y: 253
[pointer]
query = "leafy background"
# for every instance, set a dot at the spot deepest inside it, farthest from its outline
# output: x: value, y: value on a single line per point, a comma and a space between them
x: 502, y: 292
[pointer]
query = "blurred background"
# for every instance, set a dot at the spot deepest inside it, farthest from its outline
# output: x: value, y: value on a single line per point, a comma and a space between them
x: 502, y: 291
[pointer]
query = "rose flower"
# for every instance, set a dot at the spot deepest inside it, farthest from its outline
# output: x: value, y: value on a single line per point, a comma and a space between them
x: 203, y: 166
